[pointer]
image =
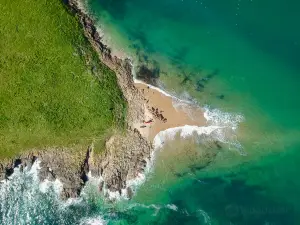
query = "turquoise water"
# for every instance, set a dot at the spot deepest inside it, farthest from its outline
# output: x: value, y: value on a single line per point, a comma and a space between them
x: 250, y: 51
x: 238, y: 56
x: 253, y: 53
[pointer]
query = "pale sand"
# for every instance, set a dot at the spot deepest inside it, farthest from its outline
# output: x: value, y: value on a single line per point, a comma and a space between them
x: 183, y: 114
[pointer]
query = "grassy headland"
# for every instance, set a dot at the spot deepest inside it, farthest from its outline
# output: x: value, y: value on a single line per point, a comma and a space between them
x: 53, y: 88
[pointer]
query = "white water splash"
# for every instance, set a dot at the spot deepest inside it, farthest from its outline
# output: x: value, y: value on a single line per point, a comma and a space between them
x: 93, y: 221
x: 133, y: 184
x: 137, y: 181
x: 222, y: 126
x: 206, y: 218
x: 230, y: 121
x: 23, y: 200
x: 172, y: 207
x: 220, y: 118
x: 46, y: 185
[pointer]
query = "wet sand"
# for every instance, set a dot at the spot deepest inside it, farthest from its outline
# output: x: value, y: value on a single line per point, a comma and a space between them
x: 161, y: 113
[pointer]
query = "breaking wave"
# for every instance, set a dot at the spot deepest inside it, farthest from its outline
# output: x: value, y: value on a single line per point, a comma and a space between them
x: 184, y: 131
x: 230, y: 123
x: 26, y: 200
x: 221, y: 126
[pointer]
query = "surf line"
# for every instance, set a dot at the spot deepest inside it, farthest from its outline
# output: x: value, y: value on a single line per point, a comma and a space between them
x: 216, y: 124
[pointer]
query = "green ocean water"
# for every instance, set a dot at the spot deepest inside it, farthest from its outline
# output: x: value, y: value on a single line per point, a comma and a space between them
x: 241, y: 57
x: 252, y: 47
x: 238, y: 57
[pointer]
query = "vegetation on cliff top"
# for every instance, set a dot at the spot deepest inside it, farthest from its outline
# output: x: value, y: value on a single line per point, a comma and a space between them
x: 53, y: 88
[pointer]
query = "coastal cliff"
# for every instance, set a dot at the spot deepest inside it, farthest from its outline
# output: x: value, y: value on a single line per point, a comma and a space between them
x: 125, y: 154
x: 121, y: 67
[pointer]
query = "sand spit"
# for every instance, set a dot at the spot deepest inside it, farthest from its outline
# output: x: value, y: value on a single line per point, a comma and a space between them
x: 160, y: 113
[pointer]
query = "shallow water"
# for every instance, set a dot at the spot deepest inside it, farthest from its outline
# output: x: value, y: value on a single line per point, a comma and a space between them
x: 241, y: 57
x: 238, y: 56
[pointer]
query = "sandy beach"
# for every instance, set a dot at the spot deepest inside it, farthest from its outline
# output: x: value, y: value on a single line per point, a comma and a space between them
x: 161, y: 113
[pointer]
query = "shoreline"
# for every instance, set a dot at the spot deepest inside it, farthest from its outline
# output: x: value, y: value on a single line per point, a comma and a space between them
x: 161, y: 114
x: 134, y: 90
x: 126, y: 156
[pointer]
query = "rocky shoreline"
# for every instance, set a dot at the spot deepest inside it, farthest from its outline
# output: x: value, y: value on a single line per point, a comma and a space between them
x: 125, y: 155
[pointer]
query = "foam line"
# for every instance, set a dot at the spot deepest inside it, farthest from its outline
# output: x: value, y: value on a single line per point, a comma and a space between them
x: 161, y: 91
x: 184, y: 132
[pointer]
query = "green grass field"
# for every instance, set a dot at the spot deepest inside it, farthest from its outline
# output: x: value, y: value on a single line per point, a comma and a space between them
x: 53, y: 89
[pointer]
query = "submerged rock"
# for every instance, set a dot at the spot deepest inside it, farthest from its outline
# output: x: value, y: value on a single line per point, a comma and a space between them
x: 221, y: 97
x: 148, y: 75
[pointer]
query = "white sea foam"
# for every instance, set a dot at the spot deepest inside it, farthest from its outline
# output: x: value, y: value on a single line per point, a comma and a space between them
x: 93, y: 221
x: 154, y: 206
x: 172, y: 207
x: 133, y: 184
x: 137, y: 181
x: 222, y: 126
x: 22, y: 198
x: 154, y: 88
x: 111, y: 195
x: 182, y: 100
x: 183, y: 131
x: 220, y: 118
x: 46, y: 184
x: 205, y: 216
x: 230, y: 121
x: 71, y: 201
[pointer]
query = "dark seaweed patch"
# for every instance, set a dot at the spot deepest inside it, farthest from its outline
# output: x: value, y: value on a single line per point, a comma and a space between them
x: 210, y: 76
x: 148, y: 75
x: 221, y: 96
x: 200, y: 84
x: 185, y: 80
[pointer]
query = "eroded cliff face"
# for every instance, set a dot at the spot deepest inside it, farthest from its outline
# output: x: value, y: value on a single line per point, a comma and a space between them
x: 55, y: 163
x: 125, y: 155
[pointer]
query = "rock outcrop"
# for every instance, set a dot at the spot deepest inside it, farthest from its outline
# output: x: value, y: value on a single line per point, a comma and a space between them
x: 60, y: 163
x: 124, y: 157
